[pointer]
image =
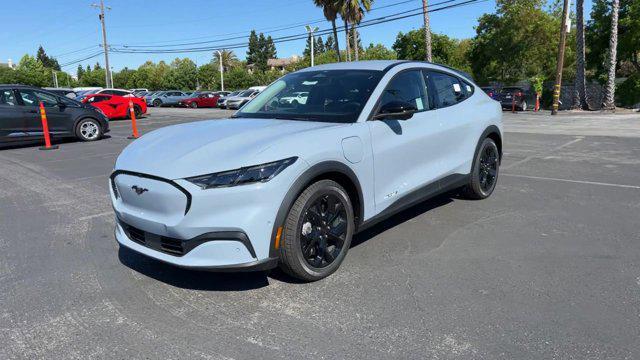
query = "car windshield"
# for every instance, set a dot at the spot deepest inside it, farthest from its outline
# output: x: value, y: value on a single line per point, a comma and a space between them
x: 331, y: 96
x: 246, y: 93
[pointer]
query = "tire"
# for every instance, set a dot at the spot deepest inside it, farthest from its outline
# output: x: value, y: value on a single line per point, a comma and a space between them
x: 193, y: 105
x: 523, y: 106
x: 88, y: 130
x: 157, y: 103
x: 325, y: 242
x: 484, y: 172
x: 136, y: 110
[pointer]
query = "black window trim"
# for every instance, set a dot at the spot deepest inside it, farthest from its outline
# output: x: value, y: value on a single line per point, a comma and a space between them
x: 435, y: 93
x: 377, y: 105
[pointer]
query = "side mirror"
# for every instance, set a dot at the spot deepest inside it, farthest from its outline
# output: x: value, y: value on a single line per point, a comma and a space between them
x: 397, y: 110
x: 62, y: 105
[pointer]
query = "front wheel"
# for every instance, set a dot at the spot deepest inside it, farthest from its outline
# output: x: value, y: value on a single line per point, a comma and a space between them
x: 157, y: 102
x: 88, y: 130
x: 484, y: 173
x: 317, y: 232
x: 193, y: 105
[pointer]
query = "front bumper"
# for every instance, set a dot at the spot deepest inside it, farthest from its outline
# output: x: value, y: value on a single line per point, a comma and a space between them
x: 178, y: 223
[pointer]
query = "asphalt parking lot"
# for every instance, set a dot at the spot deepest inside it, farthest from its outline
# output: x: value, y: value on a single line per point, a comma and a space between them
x: 548, y: 267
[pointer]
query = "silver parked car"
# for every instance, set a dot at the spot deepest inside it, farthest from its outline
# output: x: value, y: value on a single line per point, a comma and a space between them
x: 222, y: 102
x: 236, y: 102
x: 166, y: 98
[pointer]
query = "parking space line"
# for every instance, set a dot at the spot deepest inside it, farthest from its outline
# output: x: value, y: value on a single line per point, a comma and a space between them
x: 89, y: 217
x: 573, y: 181
x: 577, y: 139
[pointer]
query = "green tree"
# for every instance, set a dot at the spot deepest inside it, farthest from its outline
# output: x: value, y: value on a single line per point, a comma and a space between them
x: 209, y: 76
x: 330, y: 45
x: 519, y: 42
x: 79, y: 72
x: 32, y: 72
x: 331, y: 8
x: 445, y: 50
x: 229, y: 59
x: 182, y: 75
x: 598, y: 33
x: 46, y: 60
x: 319, y: 45
x: 378, y: 52
x: 353, y: 12
x: 253, y: 48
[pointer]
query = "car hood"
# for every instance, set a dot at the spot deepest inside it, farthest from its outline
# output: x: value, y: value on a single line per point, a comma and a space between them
x: 204, y: 147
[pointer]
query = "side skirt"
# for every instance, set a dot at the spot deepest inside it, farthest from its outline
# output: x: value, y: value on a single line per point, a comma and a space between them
x: 417, y: 196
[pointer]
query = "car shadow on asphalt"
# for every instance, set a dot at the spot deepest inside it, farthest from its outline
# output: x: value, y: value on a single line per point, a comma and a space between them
x: 403, y: 216
x: 241, y: 281
x: 191, y: 279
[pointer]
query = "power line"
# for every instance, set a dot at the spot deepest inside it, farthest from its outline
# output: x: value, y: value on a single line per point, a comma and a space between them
x: 81, y: 60
x: 244, y: 32
x: 75, y: 51
x: 299, y: 36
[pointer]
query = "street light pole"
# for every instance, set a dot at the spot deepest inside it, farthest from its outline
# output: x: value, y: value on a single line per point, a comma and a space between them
x: 108, y: 80
x: 221, y: 70
x: 312, y: 39
x: 560, y: 63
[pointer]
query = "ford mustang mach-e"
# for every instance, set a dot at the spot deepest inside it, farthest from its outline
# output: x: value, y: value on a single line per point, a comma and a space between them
x: 290, y: 183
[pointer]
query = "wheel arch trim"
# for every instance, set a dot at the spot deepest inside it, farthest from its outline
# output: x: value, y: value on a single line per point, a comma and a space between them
x: 320, y: 170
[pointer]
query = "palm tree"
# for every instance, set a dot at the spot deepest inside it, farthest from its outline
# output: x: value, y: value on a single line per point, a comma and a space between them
x: 580, y: 92
x: 330, y: 10
x: 427, y: 31
x: 610, y: 90
x: 354, y: 11
x: 228, y: 58
x: 345, y: 17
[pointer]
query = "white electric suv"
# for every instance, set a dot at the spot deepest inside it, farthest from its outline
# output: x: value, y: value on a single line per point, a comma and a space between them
x: 289, y: 183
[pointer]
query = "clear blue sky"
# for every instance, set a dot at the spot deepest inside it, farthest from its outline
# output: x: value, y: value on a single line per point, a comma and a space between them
x: 63, y: 26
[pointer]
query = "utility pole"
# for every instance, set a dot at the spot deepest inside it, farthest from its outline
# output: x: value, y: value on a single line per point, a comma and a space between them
x: 427, y: 31
x: 108, y: 80
x: 221, y: 70
x: 312, y: 40
x: 560, y: 63
x: 55, y: 78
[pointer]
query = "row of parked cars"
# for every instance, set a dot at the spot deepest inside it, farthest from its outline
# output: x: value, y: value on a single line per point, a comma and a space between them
x: 196, y: 99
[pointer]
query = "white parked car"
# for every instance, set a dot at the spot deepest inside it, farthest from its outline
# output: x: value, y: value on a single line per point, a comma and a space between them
x: 290, y: 186
x: 238, y: 101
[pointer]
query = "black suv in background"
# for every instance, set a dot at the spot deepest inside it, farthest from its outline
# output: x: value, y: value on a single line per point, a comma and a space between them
x: 523, y: 96
x: 20, y: 116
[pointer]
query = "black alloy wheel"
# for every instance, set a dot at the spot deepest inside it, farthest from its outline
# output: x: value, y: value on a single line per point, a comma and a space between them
x: 484, y: 172
x: 323, y: 230
x: 317, y: 231
x: 488, y: 169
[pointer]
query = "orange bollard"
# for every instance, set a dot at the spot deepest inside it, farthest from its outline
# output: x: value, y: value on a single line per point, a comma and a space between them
x: 537, y: 102
x: 45, y: 130
x: 513, y: 103
x: 134, y: 126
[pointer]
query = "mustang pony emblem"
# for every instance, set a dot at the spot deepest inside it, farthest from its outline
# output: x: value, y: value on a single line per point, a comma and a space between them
x: 138, y: 190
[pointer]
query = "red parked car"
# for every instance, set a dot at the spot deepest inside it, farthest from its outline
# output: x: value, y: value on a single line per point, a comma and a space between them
x: 114, y: 106
x: 201, y: 100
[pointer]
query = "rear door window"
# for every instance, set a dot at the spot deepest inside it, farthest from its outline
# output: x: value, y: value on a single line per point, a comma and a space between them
x: 448, y: 89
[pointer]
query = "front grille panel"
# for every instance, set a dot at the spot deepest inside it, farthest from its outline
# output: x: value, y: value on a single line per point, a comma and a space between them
x: 170, y: 245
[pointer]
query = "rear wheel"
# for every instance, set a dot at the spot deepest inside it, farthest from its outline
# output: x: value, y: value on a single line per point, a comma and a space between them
x: 193, y: 105
x: 157, y: 102
x: 88, y: 130
x: 484, y: 173
x: 136, y: 110
x: 317, y: 232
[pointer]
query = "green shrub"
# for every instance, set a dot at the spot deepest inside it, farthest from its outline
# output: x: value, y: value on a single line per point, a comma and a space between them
x: 628, y: 93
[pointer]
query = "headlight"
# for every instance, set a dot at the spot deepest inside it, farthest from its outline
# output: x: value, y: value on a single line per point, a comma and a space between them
x: 242, y: 176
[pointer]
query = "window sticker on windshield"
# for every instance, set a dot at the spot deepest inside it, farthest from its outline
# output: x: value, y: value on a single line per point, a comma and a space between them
x: 456, y: 87
x: 419, y: 104
x: 468, y: 88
